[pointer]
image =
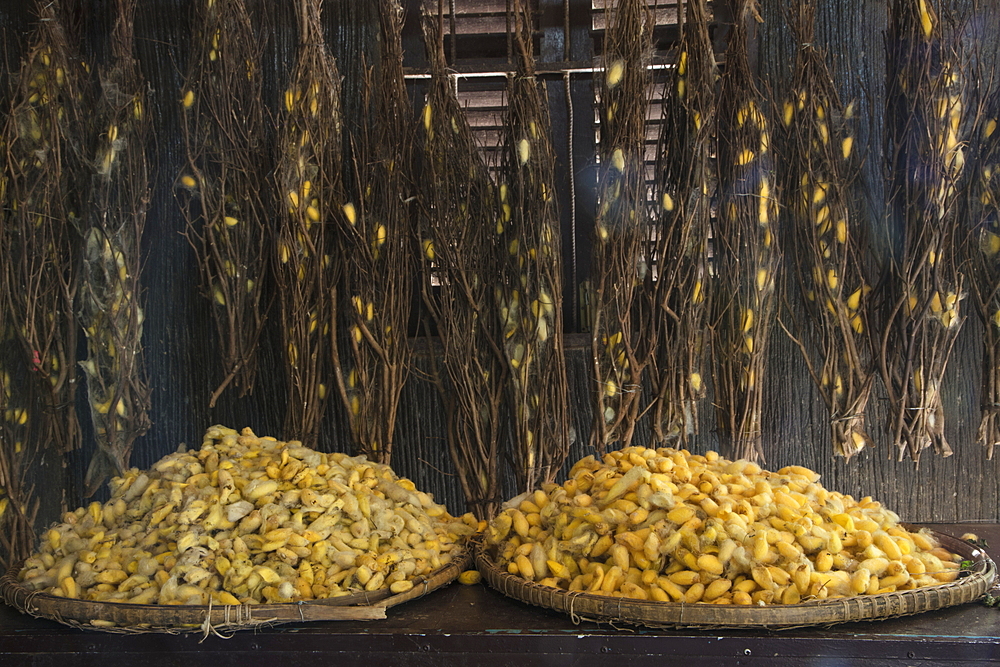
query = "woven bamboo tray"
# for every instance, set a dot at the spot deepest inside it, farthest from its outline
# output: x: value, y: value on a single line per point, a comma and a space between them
x: 177, y: 619
x: 605, y: 609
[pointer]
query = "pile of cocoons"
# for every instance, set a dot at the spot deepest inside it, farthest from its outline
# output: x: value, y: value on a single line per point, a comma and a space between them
x: 670, y: 526
x: 245, y: 520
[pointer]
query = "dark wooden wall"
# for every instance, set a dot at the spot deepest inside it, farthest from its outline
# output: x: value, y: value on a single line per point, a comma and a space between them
x: 964, y: 486
x: 179, y: 336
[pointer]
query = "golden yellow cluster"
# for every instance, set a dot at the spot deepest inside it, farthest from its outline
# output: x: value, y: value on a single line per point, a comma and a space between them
x: 41, y: 141
x: 685, y: 172
x: 310, y: 190
x: 370, y: 350
x: 247, y: 520
x: 526, y: 306
x: 310, y: 108
x: 989, y: 197
x: 621, y: 253
x: 108, y: 305
x: 928, y: 97
x: 667, y: 525
x: 220, y: 192
x: 108, y: 324
x: 747, y: 264
x: 829, y: 257
x: 31, y: 189
x: 766, y: 204
x: 985, y: 273
x: 45, y: 80
x: 618, y: 231
x: 13, y: 415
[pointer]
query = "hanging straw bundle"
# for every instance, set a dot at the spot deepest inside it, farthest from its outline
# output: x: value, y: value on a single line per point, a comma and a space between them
x: 370, y: 349
x: 746, y: 255
x: 41, y: 193
x: 460, y: 252
x: 926, y: 109
x: 828, y: 248
x: 308, y: 177
x: 18, y: 503
x: 623, y: 332
x: 685, y: 182
x: 531, y: 285
x: 984, y: 211
x: 108, y: 300
x: 223, y: 125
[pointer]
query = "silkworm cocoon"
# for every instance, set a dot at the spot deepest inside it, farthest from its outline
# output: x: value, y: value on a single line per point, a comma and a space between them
x: 711, y: 564
x: 405, y: 585
x: 762, y: 576
x: 524, y: 569
x: 864, y: 539
x: 634, y: 591
x: 520, y: 523
x: 657, y: 594
x: 860, y: 581
x: 523, y: 151
x: 615, y: 73
x: 680, y: 514
x: 684, y: 577
x: 790, y: 595
x: 787, y: 551
x: 716, y: 589
x: 885, y: 542
x: 694, y: 593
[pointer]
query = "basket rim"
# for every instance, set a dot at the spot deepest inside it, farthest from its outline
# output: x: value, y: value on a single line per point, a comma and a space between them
x: 606, y: 609
x: 210, y: 619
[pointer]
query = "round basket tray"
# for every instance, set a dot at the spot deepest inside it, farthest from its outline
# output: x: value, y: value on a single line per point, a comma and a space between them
x: 175, y: 619
x: 973, y: 583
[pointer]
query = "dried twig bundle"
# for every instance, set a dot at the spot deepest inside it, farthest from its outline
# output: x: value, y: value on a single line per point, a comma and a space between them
x: 370, y: 349
x: 223, y: 125
x: 43, y: 192
x: 108, y: 301
x: 746, y: 255
x: 984, y: 211
x: 623, y: 333
x: 460, y: 251
x: 40, y: 193
x: 926, y: 107
x: 309, y: 184
x: 685, y: 182
x: 530, y: 290
x: 827, y: 241
x: 18, y: 503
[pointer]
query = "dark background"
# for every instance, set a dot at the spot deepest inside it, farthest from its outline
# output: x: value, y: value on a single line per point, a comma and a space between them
x: 179, y: 336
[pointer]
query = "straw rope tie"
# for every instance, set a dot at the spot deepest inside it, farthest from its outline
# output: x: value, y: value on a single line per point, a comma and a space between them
x: 572, y: 613
x: 207, y: 628
x: 28, y: 602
